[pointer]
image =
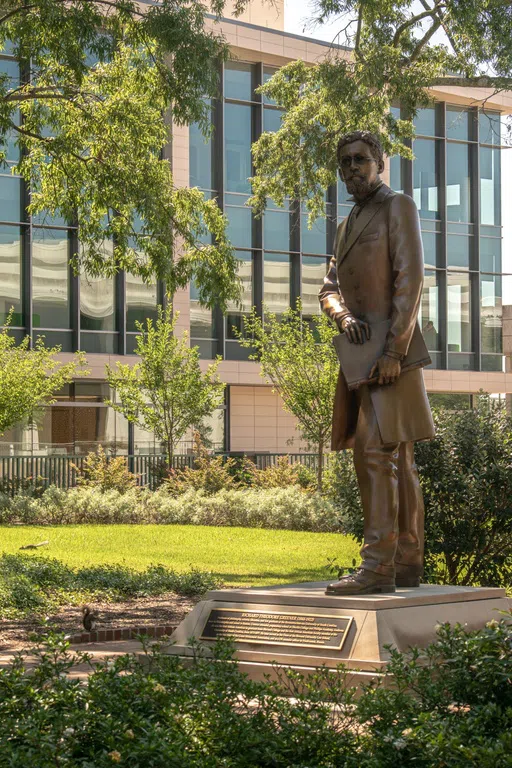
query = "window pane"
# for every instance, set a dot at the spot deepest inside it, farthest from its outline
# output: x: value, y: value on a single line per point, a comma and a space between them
x: 343, y: 194
x: 314, y: 240
x: 99, y: 343
x: 429, y: 321
x: 201, y: 159
x: 272, y: 119
x: 395, y: 173
x: 491, y: 313
x: 431, y: 248
x: 141, y: 302
x: 10, y: 199
x: 276, y: 230
x: 459, y: 313
x: 236, y: 313
x: 490, y: 254
x: 97, y: 301
x: 457, y: 182
x: 267, y: 74
x: 200, y: 318
x: 238, y: 81
x: 238, y: 138
x: 239, y: 228
x: 490, y: 186
x: 314, y: 270
x: 490, y: 127
x: 50, y: 279
x: 457, y: 123
x: 276, y: 282
x: 10, y: 272
x: 458, y: 251
x: 425, y: 178
x: 425, y: 122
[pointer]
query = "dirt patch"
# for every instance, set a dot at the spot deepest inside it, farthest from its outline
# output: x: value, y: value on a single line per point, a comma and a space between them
x: 165, y: 609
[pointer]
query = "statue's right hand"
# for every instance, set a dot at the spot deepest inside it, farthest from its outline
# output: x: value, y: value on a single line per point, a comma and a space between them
x: 357, y: 330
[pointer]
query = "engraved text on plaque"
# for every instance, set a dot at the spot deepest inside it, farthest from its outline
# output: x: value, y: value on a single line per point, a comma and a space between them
x: 269, y: 628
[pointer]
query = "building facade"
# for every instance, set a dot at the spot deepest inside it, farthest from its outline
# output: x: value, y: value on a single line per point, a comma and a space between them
x: 455, y: 179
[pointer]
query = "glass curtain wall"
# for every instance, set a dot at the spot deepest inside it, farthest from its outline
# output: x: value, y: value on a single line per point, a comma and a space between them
x: 455, y: 182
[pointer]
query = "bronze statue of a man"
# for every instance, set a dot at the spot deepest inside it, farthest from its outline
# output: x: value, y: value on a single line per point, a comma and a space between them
x: 376, y: 274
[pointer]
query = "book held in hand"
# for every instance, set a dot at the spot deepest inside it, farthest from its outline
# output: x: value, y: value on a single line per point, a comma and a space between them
x: 357, y: 360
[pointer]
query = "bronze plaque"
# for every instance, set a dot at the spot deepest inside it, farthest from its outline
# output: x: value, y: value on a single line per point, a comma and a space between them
x: 305, y: 630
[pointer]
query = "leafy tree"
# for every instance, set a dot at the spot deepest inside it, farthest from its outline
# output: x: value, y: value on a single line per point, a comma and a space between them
x: 30, y: 377
x: 91, y: 118
x: 394, y: 59
x: 299, y: 360
x: 166, y: 393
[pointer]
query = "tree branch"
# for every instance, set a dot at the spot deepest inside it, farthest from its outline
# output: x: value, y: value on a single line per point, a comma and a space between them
x: 410, y: 23
x: 498, y: 83
x: 359, y: 29
x: 424, y: 40
x: 21, y: 9
x: 445, y: 29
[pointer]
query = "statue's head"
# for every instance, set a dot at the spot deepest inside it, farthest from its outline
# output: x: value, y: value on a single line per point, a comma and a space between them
x: 360, y: 162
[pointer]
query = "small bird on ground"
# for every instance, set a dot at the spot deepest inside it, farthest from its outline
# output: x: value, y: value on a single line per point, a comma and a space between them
x: 89, y: 617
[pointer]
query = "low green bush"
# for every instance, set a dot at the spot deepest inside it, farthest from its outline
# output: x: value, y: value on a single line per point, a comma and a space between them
x: 31, y: 584
x: 450, y: 707
x: 281, y: 508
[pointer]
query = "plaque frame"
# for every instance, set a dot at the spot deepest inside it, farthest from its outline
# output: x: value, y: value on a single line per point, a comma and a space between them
x: 348, y: 619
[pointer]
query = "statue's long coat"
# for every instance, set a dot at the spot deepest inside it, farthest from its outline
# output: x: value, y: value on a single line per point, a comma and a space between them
x: 377, y: 274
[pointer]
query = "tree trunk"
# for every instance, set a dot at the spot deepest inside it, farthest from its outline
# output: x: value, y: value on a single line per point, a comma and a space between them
x: 320, y: 470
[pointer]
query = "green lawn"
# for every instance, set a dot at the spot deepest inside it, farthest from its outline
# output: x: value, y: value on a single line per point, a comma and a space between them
x: 238, y: 556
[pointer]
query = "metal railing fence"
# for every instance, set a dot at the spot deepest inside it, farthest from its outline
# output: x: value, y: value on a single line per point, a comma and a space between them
x: 28, y: 472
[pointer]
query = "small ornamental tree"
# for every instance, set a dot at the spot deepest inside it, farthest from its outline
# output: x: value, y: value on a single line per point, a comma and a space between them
x: 30, y: 377
x: 166, y: 392
x: 298, y: 358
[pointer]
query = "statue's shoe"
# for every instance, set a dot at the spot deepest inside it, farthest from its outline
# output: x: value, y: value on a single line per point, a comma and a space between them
x: 362, y: 582
x: 407, y: 576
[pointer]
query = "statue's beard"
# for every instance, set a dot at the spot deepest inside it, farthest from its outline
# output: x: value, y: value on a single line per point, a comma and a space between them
x: 358, y: 187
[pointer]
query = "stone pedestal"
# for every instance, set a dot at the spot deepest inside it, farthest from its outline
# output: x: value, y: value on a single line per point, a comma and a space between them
x: 298, y: 626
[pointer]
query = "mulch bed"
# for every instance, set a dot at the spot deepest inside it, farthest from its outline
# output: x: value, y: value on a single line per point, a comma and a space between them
x: 155, y: 616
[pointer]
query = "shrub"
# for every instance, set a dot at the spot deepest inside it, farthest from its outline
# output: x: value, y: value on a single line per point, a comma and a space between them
x: 282, y: 474
x: 105, y: 473
x: 340, y: 485
x: 32, y: 584
x: 205, y: 713
x: 281, y: 508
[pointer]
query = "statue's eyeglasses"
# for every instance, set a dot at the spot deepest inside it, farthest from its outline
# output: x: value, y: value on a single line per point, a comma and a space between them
x: 346, y: 162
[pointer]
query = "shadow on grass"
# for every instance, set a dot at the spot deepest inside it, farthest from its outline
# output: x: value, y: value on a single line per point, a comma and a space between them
x: 295, y: 576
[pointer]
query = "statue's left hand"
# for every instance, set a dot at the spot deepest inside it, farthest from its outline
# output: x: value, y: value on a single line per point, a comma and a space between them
x: 387, y: 368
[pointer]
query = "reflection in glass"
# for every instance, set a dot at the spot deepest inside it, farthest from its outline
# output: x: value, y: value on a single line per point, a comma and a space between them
x: 141, y: 302
x: 457, y: 182
x: 429, y: 320
x: 50, y: 279
x: 459, y: 312
x: 491, y: 313
x: 238, y: 81
x: 343, y: 195
x: 276, y: 230
x: 458, y: 251
x: 201, y: 326
x: 314, y: 240
x: 490, y: 186
x: 200, y: 159
x: 97, y: 300
x: 272, y: 119
x: 314, y: 270
x: 10, y: 199
x: 425, y: 122
x: 238, y: 139
x: 239, y: 228
x: 457, y: 123
x: 490, y: 127
x: 490, y: 254
x: 395, y: 173
x: 10, y: 274
x: 99, y: 343
x: 236, y: 313
x: 276, y: 282
x: 431, y: 248
x: 425, y: 178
